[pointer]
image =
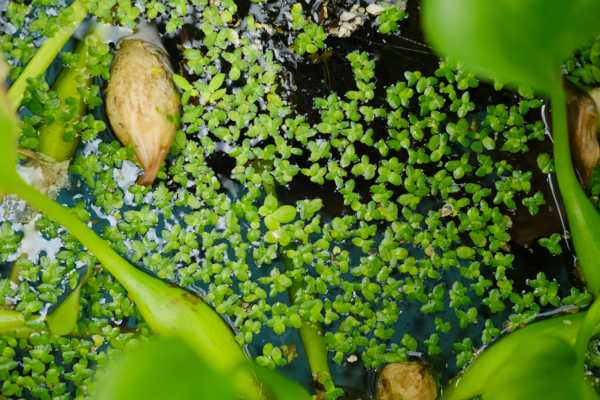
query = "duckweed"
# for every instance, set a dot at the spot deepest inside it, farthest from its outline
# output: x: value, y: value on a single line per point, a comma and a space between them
x: 423, y: 172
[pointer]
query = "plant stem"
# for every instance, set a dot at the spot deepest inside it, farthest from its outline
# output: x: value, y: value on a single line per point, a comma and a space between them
x: 67, y: 86
x: 47, y: 52
x: 311, y: 334
x: 314, y: 345
x: 584, y: 219
x: 168, y: 310
x: 117, y: 266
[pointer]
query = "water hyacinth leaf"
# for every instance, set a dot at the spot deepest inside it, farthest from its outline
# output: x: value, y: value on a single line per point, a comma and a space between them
x: 547, y: 369
x: 515, y: 41
x: 163, y: 369
x: 279, y: 387
x: 474, y: 380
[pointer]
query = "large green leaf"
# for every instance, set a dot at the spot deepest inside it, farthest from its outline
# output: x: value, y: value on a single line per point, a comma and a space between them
x: 163, y: 369
x: 515, y: 41
x: 545, y: 368
x: 169, y: 368
x: 279, y: 387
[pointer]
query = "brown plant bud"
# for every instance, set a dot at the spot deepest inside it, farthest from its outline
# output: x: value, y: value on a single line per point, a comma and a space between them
x: 143, y: 104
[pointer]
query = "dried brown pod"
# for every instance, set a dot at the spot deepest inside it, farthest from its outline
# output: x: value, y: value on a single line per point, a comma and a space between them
x: 406, y: 381
x: 583, y: 131
x: 142, y: 102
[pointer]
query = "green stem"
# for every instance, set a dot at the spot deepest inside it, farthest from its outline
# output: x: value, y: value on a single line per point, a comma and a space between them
x: 475, y: 377
x: 584, y: 219
x: 314, y: 345
x: 47, y: 52
x: 311, y: 334
x: 124, y: 272
x: 168, y: 310
x: 67, y: 87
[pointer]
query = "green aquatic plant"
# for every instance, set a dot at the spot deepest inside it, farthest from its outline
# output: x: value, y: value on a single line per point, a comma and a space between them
x: 44, y: 56
x: 381, y: 247
x: 311, y: 332
x: 525, y: 44
x: 168, y: 310
x: 182, y: 375
x: 531, y: 55
x: 59, y: 140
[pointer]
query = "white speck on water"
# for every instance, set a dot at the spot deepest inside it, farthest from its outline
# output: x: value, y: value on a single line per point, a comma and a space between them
x: 349, y: 21
x: 153, y: 237
x: 13, y: 209
x: 112, y: 221
x: 224, y: 147
x: 148, y: 198
x: 91, y: 147
x: 44, y: 311
x: 33, y: 175
x: 230, y: 186
x: 127, y: 175
x: 221, y: 224
x: 33, y: 244
x: 375, y: 9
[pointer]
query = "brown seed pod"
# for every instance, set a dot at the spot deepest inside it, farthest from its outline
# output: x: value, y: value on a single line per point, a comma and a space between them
x: 406, y: 381
x: 583, y: 131
x: 143, y: 104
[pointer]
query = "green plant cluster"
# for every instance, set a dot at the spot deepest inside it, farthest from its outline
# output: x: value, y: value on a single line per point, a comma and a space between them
x: 583, y: 68
x: 426, y: 177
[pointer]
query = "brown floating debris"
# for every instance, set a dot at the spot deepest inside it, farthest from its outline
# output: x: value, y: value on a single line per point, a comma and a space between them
x: 142, y: 102
x: 406, y: 381
x: 583, y: 130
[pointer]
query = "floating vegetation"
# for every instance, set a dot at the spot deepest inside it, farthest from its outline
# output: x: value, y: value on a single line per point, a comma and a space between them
x: 323, y: 174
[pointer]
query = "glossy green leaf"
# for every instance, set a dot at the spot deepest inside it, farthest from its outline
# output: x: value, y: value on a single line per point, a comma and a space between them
x: 11, y: 321
x: 514, y: 41
x: 547, y: 369
x: 279, y: 387
x: 64, y: 318
x: 163, y: 369
x: 477, y: 376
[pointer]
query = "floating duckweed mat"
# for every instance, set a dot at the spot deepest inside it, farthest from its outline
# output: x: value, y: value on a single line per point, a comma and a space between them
x: 410, y: 209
